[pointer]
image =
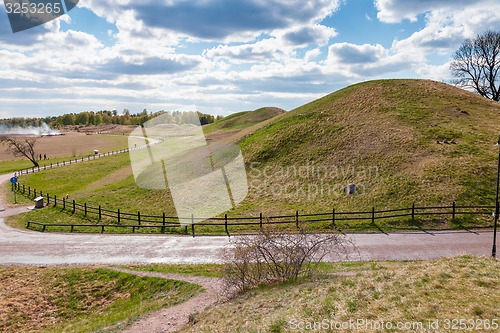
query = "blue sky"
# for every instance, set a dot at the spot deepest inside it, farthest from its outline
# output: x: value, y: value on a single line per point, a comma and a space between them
x: 225, y: 56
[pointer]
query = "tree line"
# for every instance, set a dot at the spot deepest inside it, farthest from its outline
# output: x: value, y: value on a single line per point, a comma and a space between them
x: 88, y: 118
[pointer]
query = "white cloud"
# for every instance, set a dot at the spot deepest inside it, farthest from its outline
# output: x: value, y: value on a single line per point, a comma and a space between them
x: 305, y: 35
x: 394, y: 11
x: 216, y: 20
x: 261, y: 51
x: 367, y: 60
x: 347, y: 53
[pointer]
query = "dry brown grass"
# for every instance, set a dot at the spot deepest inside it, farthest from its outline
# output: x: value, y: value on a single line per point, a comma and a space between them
x: 38, y: 299
x: 73, y: 144
x: 30, y: 296
x: 462, y: 287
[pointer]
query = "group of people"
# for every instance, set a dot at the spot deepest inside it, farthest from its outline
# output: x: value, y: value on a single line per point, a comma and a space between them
x: 44, y: 157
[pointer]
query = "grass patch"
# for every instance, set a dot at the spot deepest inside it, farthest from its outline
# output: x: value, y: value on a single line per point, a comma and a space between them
x: 393, y: 292
x: 81, y: 299
x: 207, y: 270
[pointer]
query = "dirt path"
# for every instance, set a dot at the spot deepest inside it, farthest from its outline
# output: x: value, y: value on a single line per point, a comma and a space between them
x: 173, y: 318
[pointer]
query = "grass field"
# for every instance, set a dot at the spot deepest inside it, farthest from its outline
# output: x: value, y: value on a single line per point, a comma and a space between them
x: 410, y: 293
x: 62, y: 148
x: 36, y: 299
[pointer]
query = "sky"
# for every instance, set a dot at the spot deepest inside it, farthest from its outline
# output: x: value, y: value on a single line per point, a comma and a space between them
x: 226, y: 56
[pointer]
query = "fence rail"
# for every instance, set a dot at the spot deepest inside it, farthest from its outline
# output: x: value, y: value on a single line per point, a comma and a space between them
x: 107, y: 219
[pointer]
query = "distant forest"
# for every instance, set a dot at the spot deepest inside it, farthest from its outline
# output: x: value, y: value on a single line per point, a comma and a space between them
x: 104, y: 117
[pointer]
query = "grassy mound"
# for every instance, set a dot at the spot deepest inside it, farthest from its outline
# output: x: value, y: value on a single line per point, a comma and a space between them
x: 241, y: 120
x: 400, y: 141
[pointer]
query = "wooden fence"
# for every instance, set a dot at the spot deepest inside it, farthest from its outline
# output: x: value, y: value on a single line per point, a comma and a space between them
x: 107, y: 219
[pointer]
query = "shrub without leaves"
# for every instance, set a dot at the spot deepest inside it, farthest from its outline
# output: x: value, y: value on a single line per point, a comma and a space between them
x: 276, y: 255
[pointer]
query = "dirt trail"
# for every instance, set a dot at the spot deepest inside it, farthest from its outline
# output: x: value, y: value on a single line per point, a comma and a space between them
x: 173, y: 318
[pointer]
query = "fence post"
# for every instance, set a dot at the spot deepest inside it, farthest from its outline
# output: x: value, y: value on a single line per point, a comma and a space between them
x: 100, y: 213
x: 57, y: 163
x: 64, y: 203
x: 260, y: 221
x: 413, y: 212
x: 453, y: 211
x: 373, y: 215
x: 192, y: 224
x: 118, y: 215
x: 24, y: 189
x: 48, y: 199
x: 34, y: 193
x: 29, y: 191
x: 139, y: 218
x: 225, y: 225
x: 85, y: 207
x: 163, y: 221
x: 55, y: 200
x: 74, y: 206
x: 297, y: 219
x: 333, y: 218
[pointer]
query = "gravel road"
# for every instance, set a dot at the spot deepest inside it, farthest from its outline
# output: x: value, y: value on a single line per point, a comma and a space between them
x: 35, y: 248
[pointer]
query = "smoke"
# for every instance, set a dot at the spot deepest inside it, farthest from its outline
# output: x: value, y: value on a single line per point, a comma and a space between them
x: 42, y: 130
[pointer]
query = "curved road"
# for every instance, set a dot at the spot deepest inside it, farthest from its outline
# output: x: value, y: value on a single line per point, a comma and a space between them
x: 23, y: 247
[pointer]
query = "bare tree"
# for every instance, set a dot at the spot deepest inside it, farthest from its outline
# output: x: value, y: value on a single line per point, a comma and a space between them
x: 476, y: 65
x: 24, y: 147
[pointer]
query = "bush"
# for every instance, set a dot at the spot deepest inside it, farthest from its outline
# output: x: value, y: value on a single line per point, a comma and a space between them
x: 276, y: 256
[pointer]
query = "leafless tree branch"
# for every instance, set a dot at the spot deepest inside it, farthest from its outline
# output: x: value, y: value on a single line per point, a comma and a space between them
x: 24, y: 147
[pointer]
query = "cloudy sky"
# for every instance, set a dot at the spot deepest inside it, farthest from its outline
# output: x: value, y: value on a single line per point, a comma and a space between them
x: 225, y: 56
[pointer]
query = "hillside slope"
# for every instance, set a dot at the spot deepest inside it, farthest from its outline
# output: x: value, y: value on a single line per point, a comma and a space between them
x: 387, y: 137
x: 241, y: 120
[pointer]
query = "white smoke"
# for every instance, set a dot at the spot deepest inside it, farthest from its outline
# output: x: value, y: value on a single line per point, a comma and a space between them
x: 41, y: 130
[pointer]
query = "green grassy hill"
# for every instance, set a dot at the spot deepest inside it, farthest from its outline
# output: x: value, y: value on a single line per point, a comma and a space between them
x: 241, y: 120
x: 382, y: 136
